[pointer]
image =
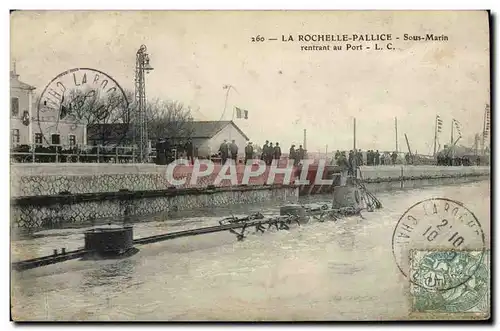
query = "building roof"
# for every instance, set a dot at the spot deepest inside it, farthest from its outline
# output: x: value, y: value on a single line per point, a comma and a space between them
x: 208, y: 129
x: 198, y: 129
x: 16, y: 83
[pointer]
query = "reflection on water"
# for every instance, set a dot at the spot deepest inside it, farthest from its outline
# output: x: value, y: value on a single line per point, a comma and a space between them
x: 116, y: 275
x: 333, y: 270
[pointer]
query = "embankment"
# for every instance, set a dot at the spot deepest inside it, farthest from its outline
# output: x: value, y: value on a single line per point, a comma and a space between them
x: 61, y: 195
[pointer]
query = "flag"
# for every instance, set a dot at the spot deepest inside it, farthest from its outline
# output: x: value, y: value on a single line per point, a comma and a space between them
x: 487, y: 124
x: 63, y: 112
x: 439, y: 123
x: 241, y: 113
x: 457, y: 127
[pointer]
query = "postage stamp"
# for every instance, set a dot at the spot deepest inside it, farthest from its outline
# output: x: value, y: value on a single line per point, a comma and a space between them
x: 437, y: 285
x: 437, y: 223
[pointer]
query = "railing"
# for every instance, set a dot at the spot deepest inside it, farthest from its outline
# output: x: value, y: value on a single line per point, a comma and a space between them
x: 35, y: 153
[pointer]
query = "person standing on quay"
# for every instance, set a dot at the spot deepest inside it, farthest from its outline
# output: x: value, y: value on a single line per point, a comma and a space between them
x: 394, y: 157
x: 291, y: 155
x: 248, y: 152
x: 270, y: 154
x: 224, y: 151
x: 301, y: 153
x: 190, y: 151
x: 277, y: 152
x: 359, y: 159
x: 234, y: 152
x: 263, y: 156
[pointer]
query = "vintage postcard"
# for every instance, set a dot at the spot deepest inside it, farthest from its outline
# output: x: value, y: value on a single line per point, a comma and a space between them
x: 250, y: 165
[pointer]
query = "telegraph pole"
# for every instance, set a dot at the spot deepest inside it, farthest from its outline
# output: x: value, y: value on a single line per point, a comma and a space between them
x: 354, y: 134
x: 396, y: 126
x: 141, y: 68
x: 435, y: 135
x: 451, y: 139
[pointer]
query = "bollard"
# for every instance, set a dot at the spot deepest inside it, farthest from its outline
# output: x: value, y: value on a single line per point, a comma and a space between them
x: 63, y: 250
x: 55, y: 251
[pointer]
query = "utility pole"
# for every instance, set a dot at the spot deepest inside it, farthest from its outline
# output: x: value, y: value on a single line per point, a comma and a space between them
x: 409, y: 149
x: 486, y: 128
x: 354, y: 134
x: 141, y: 68
x: 396, y: 126
x: 451, y: 139
x: 435, y: 135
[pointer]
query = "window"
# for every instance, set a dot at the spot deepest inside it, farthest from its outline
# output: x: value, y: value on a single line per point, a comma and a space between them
x: 72, y: 140
x: 15, y: 136
x: 38, y: 138
x: 56, y: 139
x: 14, y: 106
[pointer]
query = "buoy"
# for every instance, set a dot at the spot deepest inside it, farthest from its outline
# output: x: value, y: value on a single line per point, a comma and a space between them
x: 109, y: 240
x: 295, y: 210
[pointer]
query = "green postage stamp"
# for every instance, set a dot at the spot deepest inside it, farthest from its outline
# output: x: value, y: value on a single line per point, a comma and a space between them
x: 450, y: 283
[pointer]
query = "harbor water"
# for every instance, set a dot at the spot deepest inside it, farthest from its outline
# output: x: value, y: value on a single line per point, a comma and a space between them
x: 342, y: 270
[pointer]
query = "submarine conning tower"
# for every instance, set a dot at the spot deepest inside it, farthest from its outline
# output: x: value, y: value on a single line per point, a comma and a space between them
x: 109, y: 240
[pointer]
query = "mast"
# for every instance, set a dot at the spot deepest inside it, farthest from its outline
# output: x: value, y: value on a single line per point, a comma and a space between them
x: 435, y: 134
x: 483, y: 138
x: 451, y: 139
x: 354, y: 133
x: 396, y: 127
x: 409, y: 150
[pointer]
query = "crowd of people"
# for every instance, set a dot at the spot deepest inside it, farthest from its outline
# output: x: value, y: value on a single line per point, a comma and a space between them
x: 372, y: 157
x: 228, y: 150
x: 269, y: 152
x: 355, y: 158
x: 167, y: 150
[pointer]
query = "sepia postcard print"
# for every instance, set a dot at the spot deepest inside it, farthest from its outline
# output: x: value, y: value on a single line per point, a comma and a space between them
x: 250, y: 165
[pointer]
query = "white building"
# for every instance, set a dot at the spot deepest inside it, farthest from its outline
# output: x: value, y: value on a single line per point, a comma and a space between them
x: 207, y: 136
x: 27, y: 127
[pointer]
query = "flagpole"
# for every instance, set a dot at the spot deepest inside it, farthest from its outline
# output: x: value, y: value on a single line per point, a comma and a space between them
x: 354, y: 136
x: 435, y: 135
x: 396, y: 126
x: 484, y: 132
x: 452, y: 123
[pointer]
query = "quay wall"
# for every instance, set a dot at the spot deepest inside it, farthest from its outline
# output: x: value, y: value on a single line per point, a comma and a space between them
x: 67, y: 195
x: 50, y: 179
x: 32, y: 213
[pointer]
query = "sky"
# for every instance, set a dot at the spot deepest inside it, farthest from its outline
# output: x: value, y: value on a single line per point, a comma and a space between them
x: 284, y: 89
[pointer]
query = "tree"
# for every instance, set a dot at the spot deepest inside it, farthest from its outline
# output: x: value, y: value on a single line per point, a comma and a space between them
x: 106, y: 114
x: 165, y: 119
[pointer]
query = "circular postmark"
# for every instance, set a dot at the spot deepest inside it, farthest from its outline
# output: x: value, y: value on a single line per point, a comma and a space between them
x: 83, y: 99
x: 445, y: 227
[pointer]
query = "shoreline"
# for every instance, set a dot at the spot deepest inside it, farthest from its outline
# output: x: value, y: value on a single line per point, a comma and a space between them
x: 123, y: 200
